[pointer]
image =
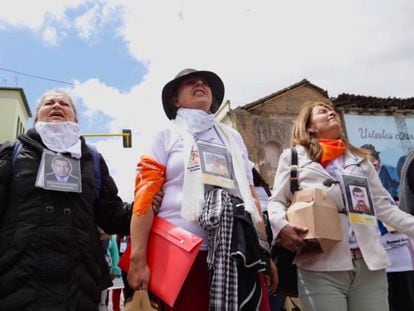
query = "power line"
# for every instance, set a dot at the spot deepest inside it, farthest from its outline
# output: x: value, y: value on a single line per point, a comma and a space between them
x: 35, y: 76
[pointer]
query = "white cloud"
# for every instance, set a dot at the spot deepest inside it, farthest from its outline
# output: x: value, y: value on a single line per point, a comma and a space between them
x: 21, y: 13
x: 256, y: 46
x: 95, y: 18
x: 50, y: 36
x: 139, y: 109
x: 59, y: 16
x: 262, y: 46
x: 86, y: 23
x: 121, y: 163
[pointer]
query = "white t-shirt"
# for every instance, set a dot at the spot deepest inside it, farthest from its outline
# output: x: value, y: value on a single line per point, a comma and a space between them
x: 167, y: 148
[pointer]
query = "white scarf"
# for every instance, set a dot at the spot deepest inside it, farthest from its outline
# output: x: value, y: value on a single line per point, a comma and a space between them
x: 60, y: 137
x: 193, y: 188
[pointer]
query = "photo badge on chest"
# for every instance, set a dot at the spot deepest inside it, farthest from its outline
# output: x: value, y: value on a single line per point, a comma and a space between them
x: 358, y: 200
x: 59, y: 173
x: 216, y: 166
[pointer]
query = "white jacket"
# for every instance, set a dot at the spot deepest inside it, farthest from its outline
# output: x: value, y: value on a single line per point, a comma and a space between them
x: 312, y: 175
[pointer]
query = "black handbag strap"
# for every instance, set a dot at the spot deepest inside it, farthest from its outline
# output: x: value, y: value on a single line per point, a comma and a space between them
x: 294, y: 184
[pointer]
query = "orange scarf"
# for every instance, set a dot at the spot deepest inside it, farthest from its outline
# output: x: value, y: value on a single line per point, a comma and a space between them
x: 331, y: 149
x: 149, y: 180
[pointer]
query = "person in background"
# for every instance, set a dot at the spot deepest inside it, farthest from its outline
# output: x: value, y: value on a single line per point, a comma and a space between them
x: 374, y: 156
x: 351, y: 275
x: 115, y: 271
x: 122, y: 242
x: 50, y: 253
x: 173, y: 162
x: 110, y: 249
x: 104, y: 238
x: 262, y: 189
x: 263, y: 193
x: 401, y: 284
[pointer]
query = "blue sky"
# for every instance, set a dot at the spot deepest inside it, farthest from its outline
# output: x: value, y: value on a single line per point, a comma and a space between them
x: 119, y: 54
x: 74, y: 59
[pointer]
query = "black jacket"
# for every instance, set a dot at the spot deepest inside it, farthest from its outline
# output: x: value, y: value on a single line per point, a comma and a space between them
x: 50, y: 254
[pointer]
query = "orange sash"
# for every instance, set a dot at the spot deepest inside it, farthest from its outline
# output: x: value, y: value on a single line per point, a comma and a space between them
x: 149, y: 180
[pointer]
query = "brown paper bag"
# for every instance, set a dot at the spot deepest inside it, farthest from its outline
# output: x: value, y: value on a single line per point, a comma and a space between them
x: 139, y: 302
x: 315, y: 210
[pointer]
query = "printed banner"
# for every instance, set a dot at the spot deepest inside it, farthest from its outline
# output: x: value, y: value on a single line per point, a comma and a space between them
x: 392, y: 136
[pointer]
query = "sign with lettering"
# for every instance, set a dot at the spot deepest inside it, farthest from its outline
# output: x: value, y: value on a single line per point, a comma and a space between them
x: 392, y: 136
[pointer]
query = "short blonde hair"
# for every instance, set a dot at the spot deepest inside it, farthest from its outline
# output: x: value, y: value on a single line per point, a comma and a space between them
x: 41, y: 100
x: 302, y: 136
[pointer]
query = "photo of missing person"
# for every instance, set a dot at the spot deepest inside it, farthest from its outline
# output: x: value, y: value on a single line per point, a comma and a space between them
x: 216, y: 164
x: 215, y: 160
x: 360, y: 202
x: 61, y: 173
x: 358, y: 195
x: 216, y: 168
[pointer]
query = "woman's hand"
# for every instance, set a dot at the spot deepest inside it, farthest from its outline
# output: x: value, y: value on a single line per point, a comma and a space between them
x: 271, y: 279
x: 138, y: 274
x: 290, y: 237
x: 156, y: 201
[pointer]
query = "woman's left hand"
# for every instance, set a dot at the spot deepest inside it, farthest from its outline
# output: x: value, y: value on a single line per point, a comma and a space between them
x: 271, y: 279
x: 156, y: 201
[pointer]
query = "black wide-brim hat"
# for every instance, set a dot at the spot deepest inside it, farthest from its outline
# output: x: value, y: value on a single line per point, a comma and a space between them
x: 170, y: 89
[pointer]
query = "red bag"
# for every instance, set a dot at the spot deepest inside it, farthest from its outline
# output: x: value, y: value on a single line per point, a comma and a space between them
x: 171, y: 253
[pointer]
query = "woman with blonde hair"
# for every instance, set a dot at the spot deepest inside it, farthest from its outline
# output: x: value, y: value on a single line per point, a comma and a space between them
x: 350, y: 275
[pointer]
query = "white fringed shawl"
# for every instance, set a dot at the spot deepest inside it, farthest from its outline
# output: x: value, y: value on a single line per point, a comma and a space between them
x: 193, y: 189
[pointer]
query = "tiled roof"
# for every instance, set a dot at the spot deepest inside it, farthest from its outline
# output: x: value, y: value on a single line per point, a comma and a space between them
x: 289, y: 88
x: 359, y: 102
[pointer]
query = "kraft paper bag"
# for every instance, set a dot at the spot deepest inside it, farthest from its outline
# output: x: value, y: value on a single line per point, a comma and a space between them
x: 139, y: 302
x: 315, y: 210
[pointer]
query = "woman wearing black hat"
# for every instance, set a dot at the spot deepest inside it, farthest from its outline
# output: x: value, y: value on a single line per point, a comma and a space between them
x: 180, y: 158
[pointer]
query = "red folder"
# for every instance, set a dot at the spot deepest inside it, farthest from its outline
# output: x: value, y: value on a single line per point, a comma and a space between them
x: 171, y: 253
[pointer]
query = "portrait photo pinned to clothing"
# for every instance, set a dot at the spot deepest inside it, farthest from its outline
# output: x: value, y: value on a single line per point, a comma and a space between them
x: 216, y: 165
x: 358, y: 200
x: 59, y: 173
x: 359, y: 197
